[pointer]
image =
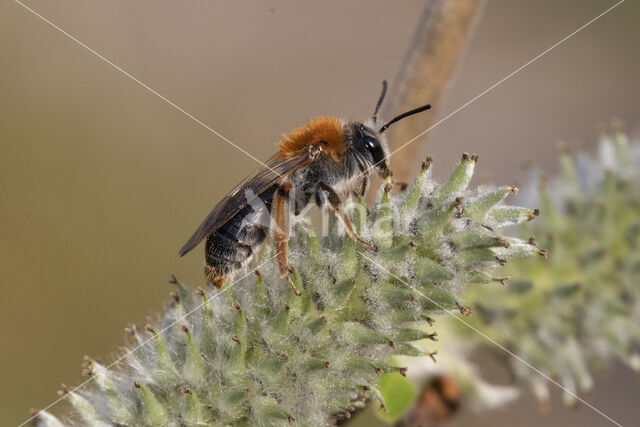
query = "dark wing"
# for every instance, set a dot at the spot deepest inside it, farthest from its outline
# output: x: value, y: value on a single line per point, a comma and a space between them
x: 257, y: 183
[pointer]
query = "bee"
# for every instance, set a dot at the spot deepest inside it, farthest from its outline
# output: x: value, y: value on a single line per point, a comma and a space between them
x: 323, y: 161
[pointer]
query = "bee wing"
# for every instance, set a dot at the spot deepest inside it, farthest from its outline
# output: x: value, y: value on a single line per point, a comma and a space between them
x: 257, y: 183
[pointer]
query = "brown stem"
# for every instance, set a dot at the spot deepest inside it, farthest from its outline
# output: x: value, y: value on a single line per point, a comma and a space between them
x: 426, y: 74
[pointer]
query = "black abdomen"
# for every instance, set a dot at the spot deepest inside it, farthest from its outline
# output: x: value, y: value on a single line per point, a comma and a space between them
x: 233, y: 244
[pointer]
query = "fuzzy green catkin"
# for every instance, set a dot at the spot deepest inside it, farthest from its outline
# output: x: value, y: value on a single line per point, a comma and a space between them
x: 577, y: 310
x: 255, y: 354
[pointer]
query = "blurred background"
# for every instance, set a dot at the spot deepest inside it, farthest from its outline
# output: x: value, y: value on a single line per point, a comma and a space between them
x: 101, y: 181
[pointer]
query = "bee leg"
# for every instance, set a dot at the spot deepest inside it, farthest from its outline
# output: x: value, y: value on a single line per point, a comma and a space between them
x: 363, y: 187
x: 213, y: 276
x: 280, y: 231
x: 336, y: 205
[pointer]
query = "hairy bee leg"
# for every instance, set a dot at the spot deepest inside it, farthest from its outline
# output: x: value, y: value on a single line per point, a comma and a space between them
x: 280, y: 231
x: 363, y: 187
x: 336, y: 205
x: 214, y: 277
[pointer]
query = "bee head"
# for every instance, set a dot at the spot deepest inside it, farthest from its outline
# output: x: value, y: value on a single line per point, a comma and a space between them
x: 370, y: 144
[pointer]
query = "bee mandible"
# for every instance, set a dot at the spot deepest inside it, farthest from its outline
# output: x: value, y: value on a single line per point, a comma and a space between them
x: 323, y: 161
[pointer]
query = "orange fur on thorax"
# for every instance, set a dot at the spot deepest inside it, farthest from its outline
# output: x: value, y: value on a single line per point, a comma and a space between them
x: 327, y: 129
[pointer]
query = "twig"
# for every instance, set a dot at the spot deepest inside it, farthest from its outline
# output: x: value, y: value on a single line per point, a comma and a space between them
x: 426, y: 74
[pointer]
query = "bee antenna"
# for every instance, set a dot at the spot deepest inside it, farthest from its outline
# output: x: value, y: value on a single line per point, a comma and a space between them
x: 380, y: 99
x: 403, y: 115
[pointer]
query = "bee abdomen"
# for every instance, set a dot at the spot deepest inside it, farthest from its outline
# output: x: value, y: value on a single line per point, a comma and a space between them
x: 225, y: 254
x: 232, y: 245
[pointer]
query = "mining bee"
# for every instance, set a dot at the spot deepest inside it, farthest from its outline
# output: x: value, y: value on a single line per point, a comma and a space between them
x: 325, y: 160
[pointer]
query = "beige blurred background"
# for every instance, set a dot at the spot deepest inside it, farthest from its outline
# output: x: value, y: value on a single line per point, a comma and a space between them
x: 101, y: 181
